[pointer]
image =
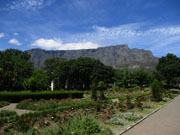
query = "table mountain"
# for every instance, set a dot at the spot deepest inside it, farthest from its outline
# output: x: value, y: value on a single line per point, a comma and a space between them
x: 118, y: 56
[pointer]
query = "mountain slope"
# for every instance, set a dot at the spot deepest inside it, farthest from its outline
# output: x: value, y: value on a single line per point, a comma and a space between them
x: 118, y: 56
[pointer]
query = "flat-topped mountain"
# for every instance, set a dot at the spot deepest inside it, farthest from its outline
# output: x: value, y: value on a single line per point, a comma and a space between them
x: 118, y: 56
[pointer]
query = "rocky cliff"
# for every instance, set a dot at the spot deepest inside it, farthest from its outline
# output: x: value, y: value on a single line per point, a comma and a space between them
x: 118, y: 56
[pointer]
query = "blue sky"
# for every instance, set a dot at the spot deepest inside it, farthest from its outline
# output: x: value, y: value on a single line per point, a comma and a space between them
x: 81, y: 24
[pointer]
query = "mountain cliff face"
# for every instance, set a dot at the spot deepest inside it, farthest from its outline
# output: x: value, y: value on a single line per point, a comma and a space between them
x: 118, y: 56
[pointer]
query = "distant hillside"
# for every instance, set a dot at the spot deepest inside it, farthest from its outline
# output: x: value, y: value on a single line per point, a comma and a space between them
x: 118, y: 56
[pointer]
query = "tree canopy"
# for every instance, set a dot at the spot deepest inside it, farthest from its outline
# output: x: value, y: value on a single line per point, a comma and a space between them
x: 169, y: 68
x: 78, y: 73
x: 14, y: 68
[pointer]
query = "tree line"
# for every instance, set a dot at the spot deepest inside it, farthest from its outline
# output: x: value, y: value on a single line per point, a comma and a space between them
x: 17, y: 73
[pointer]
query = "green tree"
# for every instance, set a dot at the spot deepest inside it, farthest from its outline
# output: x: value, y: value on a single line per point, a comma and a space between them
x: 14, y: 68
x: 156, y: 89
x: 102, y: 73
x: 57, y: 70
x: 169, y: 68
x: 123, y: 78
x: 141, y: 78
x: 93, y: 87
x: 38, y: 81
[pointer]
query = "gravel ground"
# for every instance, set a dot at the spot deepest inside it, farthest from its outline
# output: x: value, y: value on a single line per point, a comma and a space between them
x: 12, y: 107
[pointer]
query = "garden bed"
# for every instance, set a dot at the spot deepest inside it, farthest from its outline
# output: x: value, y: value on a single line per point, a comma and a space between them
x: 121, y: 110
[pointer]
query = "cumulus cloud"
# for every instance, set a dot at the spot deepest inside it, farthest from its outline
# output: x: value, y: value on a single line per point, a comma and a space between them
x: 14, y: 42
x: 2, y: 35
x: 59, y: 45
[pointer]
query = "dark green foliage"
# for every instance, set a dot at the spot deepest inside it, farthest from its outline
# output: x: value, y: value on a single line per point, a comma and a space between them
x: 124, y: 78
x: 38, y: 81
x: 57, y: 70
x: 14, y: 68
x: 19, y: 96
x: 129, y: 102
x: 98, y: 106
x: 101, y: 87
x: 141, y: 78
x: 5, y: 113
x: 168, y: 68
x: 93, y: 87
x: 156, y: 88
x: 77, y: 73
x: 4, y: 103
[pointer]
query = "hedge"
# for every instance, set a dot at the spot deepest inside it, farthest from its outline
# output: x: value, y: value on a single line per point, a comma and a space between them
x: 21, y: 95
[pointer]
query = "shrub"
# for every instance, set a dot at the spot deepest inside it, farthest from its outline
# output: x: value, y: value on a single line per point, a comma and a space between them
x: 3, y: 103
x: 5, y: 113
x: 129, y: 103
x: 19, y: 96
x: 156, y: 88
x: 122, y: 98
x: 7, y: 116
x: 139, y: 103
x: 82, y: 125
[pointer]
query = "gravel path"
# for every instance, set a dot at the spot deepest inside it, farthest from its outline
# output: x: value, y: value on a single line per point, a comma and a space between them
x: 12, y: 107
x: 164, y: 122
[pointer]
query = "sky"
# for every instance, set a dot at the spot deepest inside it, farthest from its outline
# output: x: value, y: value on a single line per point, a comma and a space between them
x: 85, y: 24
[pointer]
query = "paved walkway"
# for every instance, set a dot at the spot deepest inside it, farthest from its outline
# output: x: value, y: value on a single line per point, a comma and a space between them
x: 164, y: 122
x: 12, y: 107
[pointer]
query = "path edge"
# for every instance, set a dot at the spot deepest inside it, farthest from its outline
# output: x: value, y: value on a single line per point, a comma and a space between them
x: 145, y: 117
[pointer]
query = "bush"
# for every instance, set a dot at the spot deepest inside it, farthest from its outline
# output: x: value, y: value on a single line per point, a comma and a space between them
x: 3, y: 103
x: 5, y: 113
x: 129, y: 103
x: 19, y: 96
x: 156, y: 89
x: 82, y: 125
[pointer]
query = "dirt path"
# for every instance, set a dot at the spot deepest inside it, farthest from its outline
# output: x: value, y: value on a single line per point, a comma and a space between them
x: 164, y: 122
x: 12, y: 107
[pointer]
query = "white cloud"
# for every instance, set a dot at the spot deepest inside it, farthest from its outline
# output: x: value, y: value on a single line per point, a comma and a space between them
x: 15, y: 42
x: 136, y: 35
x: 47, y: 43
x: 15, y: 34
x: 2, y: 35
x: 58, y: 44
x: 77, y: 46
x: 28, y: 4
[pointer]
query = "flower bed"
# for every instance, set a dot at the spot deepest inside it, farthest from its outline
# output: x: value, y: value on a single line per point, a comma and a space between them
x: 61, y: 116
